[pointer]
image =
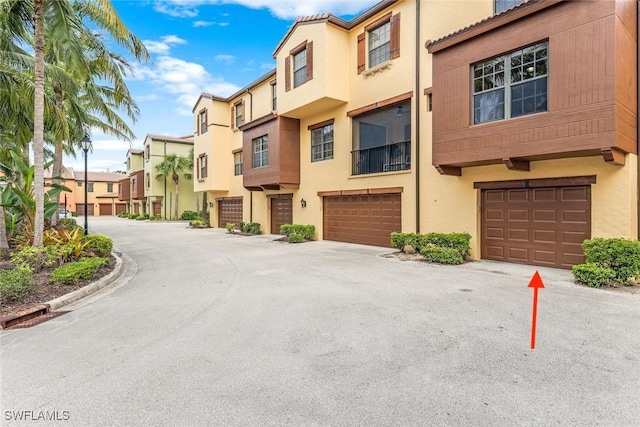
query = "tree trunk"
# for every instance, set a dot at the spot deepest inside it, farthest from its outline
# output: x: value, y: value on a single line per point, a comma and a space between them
x: 38, y: 121
x: 176, y: 209
x: 4, y: 244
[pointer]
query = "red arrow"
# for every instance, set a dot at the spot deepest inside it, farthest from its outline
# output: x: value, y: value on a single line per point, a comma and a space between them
x: 535, y: 283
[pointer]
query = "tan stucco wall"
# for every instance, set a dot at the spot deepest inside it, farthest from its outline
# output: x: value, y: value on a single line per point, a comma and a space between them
x: 451, y: 204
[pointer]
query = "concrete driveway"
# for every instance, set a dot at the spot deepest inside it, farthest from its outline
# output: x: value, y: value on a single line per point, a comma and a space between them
x: 215, y: 330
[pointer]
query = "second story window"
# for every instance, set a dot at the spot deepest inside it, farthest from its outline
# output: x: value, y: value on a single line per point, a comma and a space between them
x: 147, y: 152
x: 274, y: 96
x: 511, y: 85
x: 260, y: 151
x: 379, y: 43
x: 502, y: 5
x: 202, y: 122
x: 147, y: 178
x: 300, y: 62
x: 237, y: 163
x: 321, y: 141
x: 238, y: 109
x: 202, y: 166
x: 109, y: 187
x: 90, y: 187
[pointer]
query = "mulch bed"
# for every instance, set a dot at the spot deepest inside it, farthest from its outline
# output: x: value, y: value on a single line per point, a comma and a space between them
x: 44, y: 291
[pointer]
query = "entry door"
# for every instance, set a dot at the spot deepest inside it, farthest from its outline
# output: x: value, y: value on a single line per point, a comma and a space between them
x: 281, y: 212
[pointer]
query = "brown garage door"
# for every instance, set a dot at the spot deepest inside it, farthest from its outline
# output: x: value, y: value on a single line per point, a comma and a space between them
x: 121, y: 207
x: 106, y: 209
x: 229, y: 211
x: 281, y: 212
x: 539, y: 226
x: 80, y: 209
x: 157, y: 208
x: 365, y: 219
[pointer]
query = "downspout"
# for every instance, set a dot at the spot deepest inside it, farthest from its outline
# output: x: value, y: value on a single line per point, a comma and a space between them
x: 250, y: 106
x: 638, y: 116
x: 417, y: 116
x: 250, y: 206
x: 164, y: 199
x: 250, y: 119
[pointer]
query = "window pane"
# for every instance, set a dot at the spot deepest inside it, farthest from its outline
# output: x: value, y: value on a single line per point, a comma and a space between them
x: 488, y: 106
x: 299, y: 68
x: 380, y: 44
x: 529, y: 97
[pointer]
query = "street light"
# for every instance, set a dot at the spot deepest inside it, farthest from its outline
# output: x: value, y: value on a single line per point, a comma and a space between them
x: 86, y: 144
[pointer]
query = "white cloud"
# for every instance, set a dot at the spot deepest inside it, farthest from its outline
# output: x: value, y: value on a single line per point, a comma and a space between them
x: 284, y: 9
x: 163, y: 47
x: 110, y: 145
x: 185, y: 80
x: 202, y: 23
x: 173, y: 39
x: 225, y: 59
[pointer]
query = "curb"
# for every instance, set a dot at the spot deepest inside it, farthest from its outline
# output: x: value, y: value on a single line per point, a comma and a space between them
x: 74, y: 296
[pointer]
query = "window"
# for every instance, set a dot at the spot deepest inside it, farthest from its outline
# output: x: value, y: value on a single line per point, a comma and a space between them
x: 429, y: 102
x: 239, y: 113
x: 202, y: 121
x: 379, y: 43
x: 128, y: 163
x: 147, y: 179
x: 202, y: 166
x: 502, y: 5
x: 109, y: 187
x: 260, y: 152
x: 237, y: 163
x: 321, y: 141
x: 79, y: 184
x: 274, y: 96
x: 382, y: 139
x: 300, y: 68
x: 300, y: 60
x: 90, y: 187
x: 511, y: 85
x: 147, y: 152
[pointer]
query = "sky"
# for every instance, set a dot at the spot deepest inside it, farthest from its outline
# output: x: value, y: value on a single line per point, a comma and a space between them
x: 215, y: 46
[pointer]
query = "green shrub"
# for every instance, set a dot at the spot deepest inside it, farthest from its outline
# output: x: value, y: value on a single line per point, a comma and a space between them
x: 306, y: 231
x: 74, y: 271
x: 98, y: 244
x: 156, y: 218
x: 400, y: 240
x: 230, y: 227
x: 250, y: 227
x: 59, y: 254
x: 68, y: 224
x: 197, y: 223
x: 141, y: 218
x: 295, y: 237
x: 442, y: 255
x: 620, y: 255
x: 593, y: 275
x: 15, y: 284
x: 74, y: 214
x: 190, y: 215
x: 34, y: 257
x: 457, y: 241
x: 146, y: 216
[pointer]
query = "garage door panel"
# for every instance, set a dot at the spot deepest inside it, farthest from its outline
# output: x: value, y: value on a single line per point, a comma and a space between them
x: 543, y: 226
x: 364, y: 219
x: 229, y: 211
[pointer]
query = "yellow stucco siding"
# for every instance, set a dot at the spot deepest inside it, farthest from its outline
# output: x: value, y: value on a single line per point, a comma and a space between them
x: 451, y: 204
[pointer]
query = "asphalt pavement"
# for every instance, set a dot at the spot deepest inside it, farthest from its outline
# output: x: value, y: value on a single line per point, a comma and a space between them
x: 204, y: 328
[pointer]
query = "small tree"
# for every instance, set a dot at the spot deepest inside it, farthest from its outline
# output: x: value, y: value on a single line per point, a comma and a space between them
x: 172, y: 166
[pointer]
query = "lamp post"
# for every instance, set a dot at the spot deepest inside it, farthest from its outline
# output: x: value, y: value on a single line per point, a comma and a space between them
x: 86, y: 144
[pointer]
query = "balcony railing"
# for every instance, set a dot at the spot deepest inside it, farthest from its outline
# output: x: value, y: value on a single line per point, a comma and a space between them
x: 384, y: 158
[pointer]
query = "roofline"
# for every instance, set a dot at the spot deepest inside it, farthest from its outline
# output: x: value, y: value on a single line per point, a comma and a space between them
x: 327, y: 17
x: 165, y: 138
x: 228, y: 99
x: 513, y: 14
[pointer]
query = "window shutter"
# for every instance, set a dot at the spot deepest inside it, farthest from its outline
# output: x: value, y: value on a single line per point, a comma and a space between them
x: 233, y: 118
x: 361, y: 46
x: 395, y: 36
x: 287, y: 74
x: 309, y: 61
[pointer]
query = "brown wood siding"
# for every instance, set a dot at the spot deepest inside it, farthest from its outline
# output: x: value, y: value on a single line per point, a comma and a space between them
x: 365, y: 219
x: 539, y: 226
x: 121, y: 207
x: 106, y: 209
x: 281, y: 212
x: 283, y: 154
x: 137, y: 179
x: 229, y: 212
x: 591, y: 89
x: 124, y: 189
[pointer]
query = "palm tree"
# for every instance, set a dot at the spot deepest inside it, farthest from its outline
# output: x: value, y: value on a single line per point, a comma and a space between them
x: 172, y: 166
x: 62, y: 23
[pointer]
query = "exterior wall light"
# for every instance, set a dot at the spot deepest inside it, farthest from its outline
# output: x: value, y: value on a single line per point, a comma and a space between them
x: 303, y: 203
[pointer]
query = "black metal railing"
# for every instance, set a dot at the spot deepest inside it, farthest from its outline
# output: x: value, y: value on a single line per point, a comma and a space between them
x: 384, y: 158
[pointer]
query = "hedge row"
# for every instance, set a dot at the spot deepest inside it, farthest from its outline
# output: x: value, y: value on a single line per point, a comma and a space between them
x: 457, y: 241
x: 608, y: 261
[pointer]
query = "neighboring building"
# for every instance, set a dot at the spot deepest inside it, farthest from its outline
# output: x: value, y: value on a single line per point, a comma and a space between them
x: 130, y: 192
x: 66, y: 199
x: 102, y: 193
x: 159, y: 195
x: 329, y: 137
x: 535, y: 122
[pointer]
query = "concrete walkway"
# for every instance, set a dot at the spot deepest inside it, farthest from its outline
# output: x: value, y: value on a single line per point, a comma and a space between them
x: 205, y: 328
